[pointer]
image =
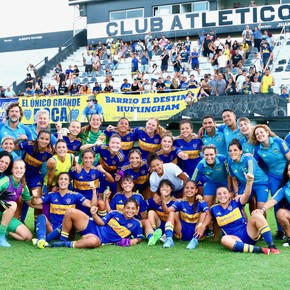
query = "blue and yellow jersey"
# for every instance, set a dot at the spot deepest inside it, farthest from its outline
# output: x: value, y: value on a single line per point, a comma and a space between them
x: 230, y: 135
x: 193, y: 149
x: 147, y: 144
x: 190, y: 213
x: 152, y: 205
x: 273, y: 156
x: 59, y: 204
x: 218, y: 140
x: 110, y: 163
x: 72, y: 146
x: 127, y: 141
x: 230, y: 219
x: 171, y: 157
x: 81, y: 181
x: 247, y: 164
x: 119, y: 199
x: 283, y: 193
x: 247, y: 146
x: 218, y: 173
x: 33, y: 163
x: 117, y: 227
x: 140, y: 177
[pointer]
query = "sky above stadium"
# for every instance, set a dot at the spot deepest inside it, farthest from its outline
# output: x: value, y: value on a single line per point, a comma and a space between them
x: 22, y: 17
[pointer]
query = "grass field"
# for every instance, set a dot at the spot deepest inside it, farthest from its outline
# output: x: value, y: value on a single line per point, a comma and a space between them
x: 210, y: 266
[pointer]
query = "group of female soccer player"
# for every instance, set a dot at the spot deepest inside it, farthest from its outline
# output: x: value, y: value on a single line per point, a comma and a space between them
x: 121, y: 184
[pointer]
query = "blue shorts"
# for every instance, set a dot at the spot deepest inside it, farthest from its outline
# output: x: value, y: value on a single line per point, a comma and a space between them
x: 274, y: 182
x: 91, y: 228
x: 35, y: 181
x: 261, y: 191
x: 187, y: 231
x: 211, y: 187
x: 242, y: 234
x: 162, y: 226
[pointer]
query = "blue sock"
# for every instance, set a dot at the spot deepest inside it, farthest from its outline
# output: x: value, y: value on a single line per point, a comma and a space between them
x: 169, y: 230
x: 54, y: 235
x: 266, y: 233
x: 245, y: 248
x: 24, y: 211
x: 149, y: 234
x: 63, y: 236
x: 62, y: 244
x: 40, y: 227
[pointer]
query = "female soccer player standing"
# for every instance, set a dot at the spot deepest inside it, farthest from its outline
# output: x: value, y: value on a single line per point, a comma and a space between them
x: 238, y: 235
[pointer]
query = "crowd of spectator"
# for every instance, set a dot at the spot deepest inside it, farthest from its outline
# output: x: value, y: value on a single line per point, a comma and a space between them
x: 237, y: 67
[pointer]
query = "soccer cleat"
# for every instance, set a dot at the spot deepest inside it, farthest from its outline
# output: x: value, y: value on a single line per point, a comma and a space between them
x: 41, y: 244
x: 280, y: 235
x: 287, y: 243
x: 163, y: 238
x: 4, y: 243
x: 192, y: 244
x: 34, y: 242
x: 168, y: 243
x: 155, y: 238
x: 266, y: 251
x: 274, y: 250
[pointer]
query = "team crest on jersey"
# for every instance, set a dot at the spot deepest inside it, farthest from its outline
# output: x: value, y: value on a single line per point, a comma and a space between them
x: 74, y: 147
x: 218, y: 169
x: 245, y: 169
x: 275, y: 151
x: 128, y: 138
x: 194, y: 146
x: 142, y: 172
x: 156, y: 140
x: 68, y: 200
x: 93, y: 176
x: 230, y: 207
x: 43, y: 158
x: 114, y: 162
x: 219, y: 139
x: 129, y: 225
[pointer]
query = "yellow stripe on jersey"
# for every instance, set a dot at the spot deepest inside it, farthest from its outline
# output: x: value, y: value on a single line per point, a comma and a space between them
x: 229, y: 218
x: 285, y: 146
x: 107, y: 167
x: 149, y: 147
x: 127, y: 145
x: 142, y: 179
x: 162, y: 215
x: 189, y: 218
x: 32, y: 161
x: 84, y: 185
x: 122, y: 231
x: 60, y: 208
x: 192, y: 154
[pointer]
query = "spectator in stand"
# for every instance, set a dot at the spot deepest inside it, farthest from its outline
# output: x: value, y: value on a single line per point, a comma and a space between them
x: 185, y: 60
x: 200, y: 39
x: 2, y: 92
x: 220, y: 86
x: 149, y: 48
x: 194, y: 60
x: 63, y: 89
x: 109, y: 42
x: 268, y: 37
x: 285, y: 93
x: 192, y: 82
x: 92, y: 108
x: 240, y: 81
x: 222, y: 61
x: 214, y: 63
x: 96, y: 61
x: 134, y: 64
x: 155, y: 74
x: 248, y: 35
x: 228, y: 42
x: 163, y: 42
x: 168, y: 83
x: 174, y: 87
x: 257, y: 36
x: 160, y: 85
x: 68, y: 71
x: 235, y: 47
x: 9, y: 93
x: 208, y: 84
x: 257, y: 62
x: 85, y: 90
x: 231, y: 88
x: 136, y: 87
x: 29, y: 82
x: 39, y: 82
x: 187, y: 44
x: 125, y: 87
x: 236, y: 60
x: 212, y: 35
x: 32, y: 68
x: 73, y: 90
x: 255, y: 86
x: 144, y: 60
x: 267, y: 54
x: 53, y: 91
x: 88, y: 61
x: 246, y: 87
x: 148, y: 38
x: 76, y: 71
x: 267, y: 82
x: 177, y: 65
x: 184, y: 83
x: 147, y: 86
x: 164, y: 61
x: 38, y: 91
x: 29, y: 92
x: 97, y: 89
x: 108, y: 88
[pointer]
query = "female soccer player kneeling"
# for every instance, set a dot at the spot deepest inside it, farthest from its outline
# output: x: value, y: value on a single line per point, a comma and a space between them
x: 116, y: 227
x: 238, y: 235
x: 191, y: 221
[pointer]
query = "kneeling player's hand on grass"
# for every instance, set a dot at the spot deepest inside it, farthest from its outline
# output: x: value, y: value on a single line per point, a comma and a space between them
x: 133, y: 242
